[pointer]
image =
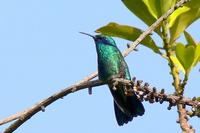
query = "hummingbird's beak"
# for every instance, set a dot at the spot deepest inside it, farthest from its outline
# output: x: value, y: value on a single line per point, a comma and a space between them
x: 87, y: 34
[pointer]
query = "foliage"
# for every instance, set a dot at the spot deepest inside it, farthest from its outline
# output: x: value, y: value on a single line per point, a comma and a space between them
x: 185, y: 56
x: 180, y: 56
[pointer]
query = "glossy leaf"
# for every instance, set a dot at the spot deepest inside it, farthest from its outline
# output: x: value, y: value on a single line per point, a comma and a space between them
x: 140, y: 9
x: 159, y: 7
x: 178, y: 64
x: 197, y: 55
x: 193, y: 4
x: 183, y: 17
x: 185, y: 55
x: 127, y: 32
x: 172, y: 18
x: 189, y: 39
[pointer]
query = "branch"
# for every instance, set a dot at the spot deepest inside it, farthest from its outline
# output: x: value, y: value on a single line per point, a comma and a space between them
x: 40, y: 106
x: 183, y: 120
x: 142, y: 90
x: 179, y: 87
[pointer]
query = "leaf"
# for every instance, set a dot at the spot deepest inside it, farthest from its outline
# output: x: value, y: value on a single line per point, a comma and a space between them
x: 127, y: 32
x: 172, y: 18
x: 198, y: 99
x: 139, y: 8
x: 196, y: 55
x: 189, y: 39
x: 179, y: 65
x: 193, y: 4
x: 182, y: 18
x: 185, y: 55
x: 159, y: 7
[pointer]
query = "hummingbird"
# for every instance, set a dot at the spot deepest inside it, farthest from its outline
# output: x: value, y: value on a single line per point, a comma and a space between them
x: 112, y: 64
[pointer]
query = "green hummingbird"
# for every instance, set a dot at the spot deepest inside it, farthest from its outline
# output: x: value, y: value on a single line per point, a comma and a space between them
x: 112, y: 64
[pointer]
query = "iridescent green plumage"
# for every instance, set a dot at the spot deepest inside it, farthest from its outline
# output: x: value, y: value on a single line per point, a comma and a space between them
x: 112, y: 64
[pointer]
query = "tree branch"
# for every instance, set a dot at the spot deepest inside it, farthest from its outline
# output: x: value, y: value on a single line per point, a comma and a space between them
x: 179, y: 87
x: 142, y: 90
x: 28, y: 113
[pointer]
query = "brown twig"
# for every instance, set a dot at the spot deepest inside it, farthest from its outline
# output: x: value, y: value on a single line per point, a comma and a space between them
x: 142, y: 90
x: 42, y: 104
x: 184, y: 120
x: 11, y: 118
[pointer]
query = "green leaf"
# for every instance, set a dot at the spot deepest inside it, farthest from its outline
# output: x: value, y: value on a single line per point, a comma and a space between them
x: 193, y: 4
x: 172, y: 18
x: 139, y: 8
x: 189, y: 39
x: 198, y: 99
x: 179, y: 65
x: 185, y: 55
x: 159, y: 7
x: 127, y: 32
x: 182, y: 18
x: 196, y: 55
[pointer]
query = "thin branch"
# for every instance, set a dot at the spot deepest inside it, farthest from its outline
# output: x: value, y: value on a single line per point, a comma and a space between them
x: 28, y: 113
x: 142, y: 90
x: 184, y: 120
x: 153, y: 95
x: 12, y: 117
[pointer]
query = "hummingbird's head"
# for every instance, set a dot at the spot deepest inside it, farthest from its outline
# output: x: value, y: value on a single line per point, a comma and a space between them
x: 102, y: 39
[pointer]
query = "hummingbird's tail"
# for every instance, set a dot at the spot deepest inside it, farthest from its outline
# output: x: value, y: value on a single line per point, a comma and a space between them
x: 132, y: 108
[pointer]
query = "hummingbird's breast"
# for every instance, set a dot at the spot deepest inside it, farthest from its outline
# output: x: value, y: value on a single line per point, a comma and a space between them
x: 110, y: 62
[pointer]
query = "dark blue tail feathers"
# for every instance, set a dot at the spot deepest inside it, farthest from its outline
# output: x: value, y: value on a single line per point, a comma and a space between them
x: 134, y: 107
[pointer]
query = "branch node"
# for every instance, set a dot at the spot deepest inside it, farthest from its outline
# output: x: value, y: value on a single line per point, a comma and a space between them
x: 194, y: 99
x: 90, y: 90
x: 134, y: 79
x: 146, y: 84
x: 73, y: 89
x: 169, y: 107
x: 162, y: 91
x: 186, y: 117
x: 139, y: 82
x: 161, y: 101
x: 154, y: 90
x: 43, y: 108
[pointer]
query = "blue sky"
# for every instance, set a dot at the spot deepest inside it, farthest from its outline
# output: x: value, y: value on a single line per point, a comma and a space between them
x: 42, y: 52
